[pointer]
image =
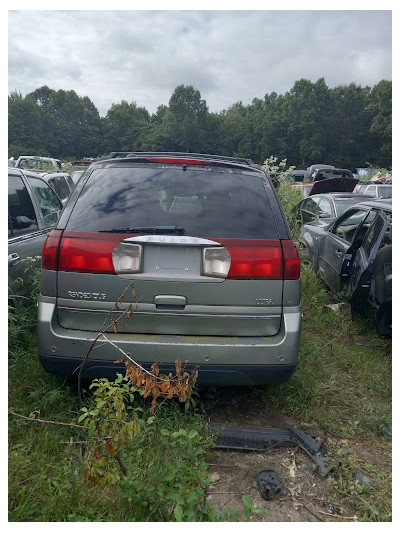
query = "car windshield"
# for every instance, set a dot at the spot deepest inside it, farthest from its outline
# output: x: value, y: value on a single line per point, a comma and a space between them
x: 207, y: 202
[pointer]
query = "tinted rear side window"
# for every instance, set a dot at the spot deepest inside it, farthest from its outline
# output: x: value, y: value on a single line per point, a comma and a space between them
x: 206, y: 202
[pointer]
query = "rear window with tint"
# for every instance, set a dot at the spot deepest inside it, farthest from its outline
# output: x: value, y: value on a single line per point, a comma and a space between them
x: 206, y: 202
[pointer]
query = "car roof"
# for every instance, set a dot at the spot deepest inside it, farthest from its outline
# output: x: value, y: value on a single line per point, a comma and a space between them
x: 176, y: 157
x: 12, y: 171
x: 45, y: 174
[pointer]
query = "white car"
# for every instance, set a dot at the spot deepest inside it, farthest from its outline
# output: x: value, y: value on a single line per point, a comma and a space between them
x: 379, y: 190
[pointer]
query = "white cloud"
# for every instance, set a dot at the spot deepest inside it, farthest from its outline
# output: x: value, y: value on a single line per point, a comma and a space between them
x: 228, y: 55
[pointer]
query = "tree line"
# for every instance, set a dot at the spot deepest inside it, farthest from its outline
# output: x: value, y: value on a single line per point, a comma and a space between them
x: 348, y: 126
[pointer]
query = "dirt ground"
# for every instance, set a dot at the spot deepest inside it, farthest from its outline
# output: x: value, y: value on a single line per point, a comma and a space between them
x: 310, y: 496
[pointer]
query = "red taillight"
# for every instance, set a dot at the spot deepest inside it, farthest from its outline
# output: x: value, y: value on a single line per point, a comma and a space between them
x: 50, y: 250
x: 88, y: 252
x: 254, y: 259
x: 262, y: 259
x: 291, y: 260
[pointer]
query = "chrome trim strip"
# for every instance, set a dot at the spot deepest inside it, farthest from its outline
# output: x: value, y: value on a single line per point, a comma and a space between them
x: 164, y: 313
x: 185, y: 240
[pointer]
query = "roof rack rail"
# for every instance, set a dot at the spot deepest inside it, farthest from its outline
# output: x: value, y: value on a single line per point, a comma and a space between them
x: 186, y: 155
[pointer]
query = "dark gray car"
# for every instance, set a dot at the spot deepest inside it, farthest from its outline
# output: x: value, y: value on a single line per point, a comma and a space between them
x: 33, y: 209
x: 205, y: 242
x: 355, y: 251
x: 323, y: 208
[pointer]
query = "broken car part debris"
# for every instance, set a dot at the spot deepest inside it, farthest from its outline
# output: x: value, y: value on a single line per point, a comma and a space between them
x: 270, y: 485
x: 252, y: 438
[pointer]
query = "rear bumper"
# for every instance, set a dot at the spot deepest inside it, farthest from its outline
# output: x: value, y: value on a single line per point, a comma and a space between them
x: 209, y: 375
x: 220, y: 360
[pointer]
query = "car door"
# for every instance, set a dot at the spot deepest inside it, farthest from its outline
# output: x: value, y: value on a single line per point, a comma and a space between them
x: 357, y: 271
x: 26, y: 235
x: 48, y: 203
x: 336, y: 242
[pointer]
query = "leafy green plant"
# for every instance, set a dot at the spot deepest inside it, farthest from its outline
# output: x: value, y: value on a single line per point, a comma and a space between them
x: 176, y: 490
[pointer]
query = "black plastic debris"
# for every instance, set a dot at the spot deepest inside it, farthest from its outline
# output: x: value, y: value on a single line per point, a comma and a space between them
x: 270, y: 485
x: 259, y: 439
x: 249, y: 438
x: 315, y: 449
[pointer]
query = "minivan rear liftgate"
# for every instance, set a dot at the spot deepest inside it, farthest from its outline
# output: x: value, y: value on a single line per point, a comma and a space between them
x: 227, y: 304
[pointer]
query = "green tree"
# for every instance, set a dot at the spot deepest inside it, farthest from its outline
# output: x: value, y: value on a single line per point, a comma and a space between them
x: 71, y: 125
x: 186, y: 121
x: 349, y: 138
x: 380, y: 105
x: 236, y: 131
x: 306, y: 110
x: 124, y: 125
x: 24, y: 125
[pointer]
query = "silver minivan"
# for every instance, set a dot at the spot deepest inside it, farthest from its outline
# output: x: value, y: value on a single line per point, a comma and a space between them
x: 204, y: 241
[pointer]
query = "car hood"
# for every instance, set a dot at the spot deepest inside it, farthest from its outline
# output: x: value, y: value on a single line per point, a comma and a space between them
x: 334, y: 185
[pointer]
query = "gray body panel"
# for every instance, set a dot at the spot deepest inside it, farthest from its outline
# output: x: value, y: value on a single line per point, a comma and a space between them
x: 280, y: 349
x: 211, y: 308
x: 19, y: 250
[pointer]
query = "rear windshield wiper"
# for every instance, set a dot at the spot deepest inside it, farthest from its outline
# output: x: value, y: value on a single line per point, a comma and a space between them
x: 152, y: 230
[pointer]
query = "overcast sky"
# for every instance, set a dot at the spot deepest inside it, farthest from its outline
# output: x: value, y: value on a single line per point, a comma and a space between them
x: 229, y: 56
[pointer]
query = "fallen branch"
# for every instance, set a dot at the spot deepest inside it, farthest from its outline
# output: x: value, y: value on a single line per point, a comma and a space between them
x: 339, y: 516
x: 71, y: 425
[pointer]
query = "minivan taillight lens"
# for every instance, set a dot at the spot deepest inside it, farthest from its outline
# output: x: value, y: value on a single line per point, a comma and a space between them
x: 127, y: 258
x: 89, y: 252
x: 291, y: 260
x: 262, y: 259
x: 216, y: 262
x: 254, y: 259
x: 50, y: 250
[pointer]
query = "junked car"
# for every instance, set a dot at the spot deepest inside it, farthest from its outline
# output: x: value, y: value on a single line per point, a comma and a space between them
x: 35, y: 162
x: 323, y: 208
x: 33, y: 209
x: 328, y: 173
x: 76, y: 175
x: 205, y: 243
x: 354, y: 251
x: 379, y: 190
x: 316, y: 166
x: 61, y: 183
x: 339, y: 184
